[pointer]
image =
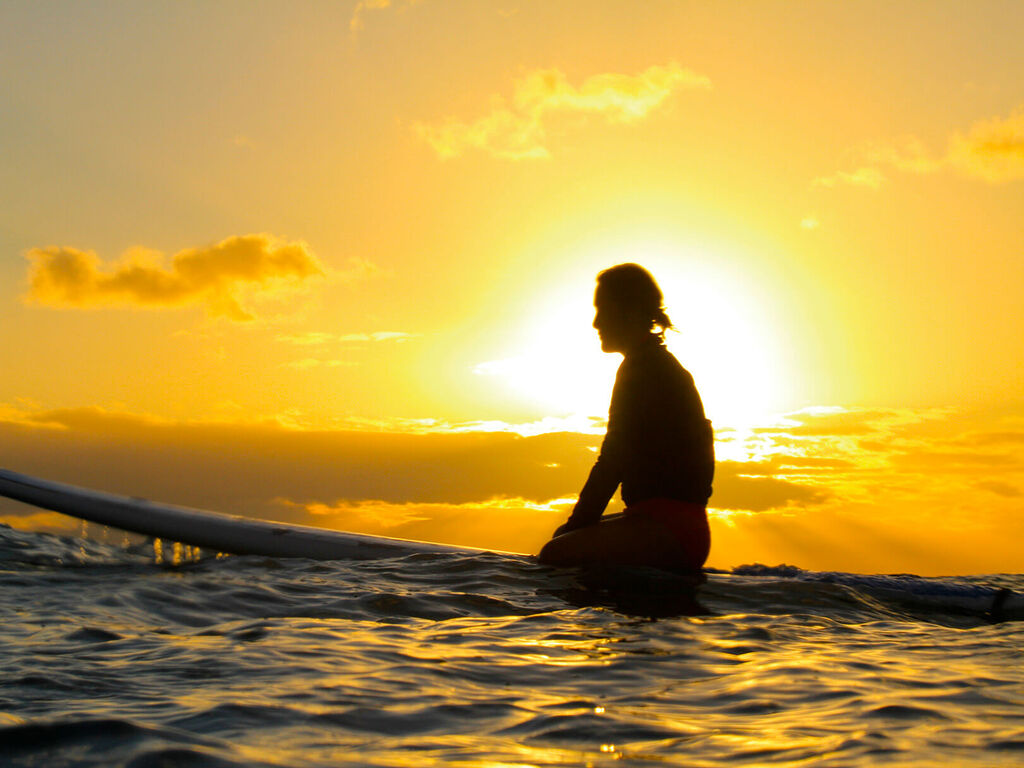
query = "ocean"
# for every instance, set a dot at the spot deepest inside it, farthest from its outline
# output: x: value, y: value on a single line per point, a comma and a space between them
x: 113, y: 656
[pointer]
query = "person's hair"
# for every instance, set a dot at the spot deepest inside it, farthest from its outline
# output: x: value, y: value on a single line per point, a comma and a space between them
x: 633, y: 291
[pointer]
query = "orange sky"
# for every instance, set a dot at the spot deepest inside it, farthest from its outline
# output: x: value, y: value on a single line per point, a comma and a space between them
x: 333, y: 262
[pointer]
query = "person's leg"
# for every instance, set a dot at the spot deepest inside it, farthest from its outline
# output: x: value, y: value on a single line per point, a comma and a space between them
x: 625, y: 540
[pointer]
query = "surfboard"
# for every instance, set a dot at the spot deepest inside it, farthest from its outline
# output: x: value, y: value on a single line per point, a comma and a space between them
x: 216, y: 531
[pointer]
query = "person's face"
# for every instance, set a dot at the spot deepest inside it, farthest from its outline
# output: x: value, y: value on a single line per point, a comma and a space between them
x: 608, y: 322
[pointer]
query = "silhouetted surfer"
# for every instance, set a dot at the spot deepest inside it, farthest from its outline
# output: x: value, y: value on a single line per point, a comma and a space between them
x: 658, y: 446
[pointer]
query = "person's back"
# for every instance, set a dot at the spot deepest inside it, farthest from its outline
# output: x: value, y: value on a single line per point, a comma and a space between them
x: 667, y: 441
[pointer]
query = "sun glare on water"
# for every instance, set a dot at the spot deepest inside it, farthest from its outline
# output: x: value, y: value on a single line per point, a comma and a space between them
x: 723, y: 337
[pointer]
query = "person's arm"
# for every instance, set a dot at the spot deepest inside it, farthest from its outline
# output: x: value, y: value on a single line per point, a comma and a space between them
x: 604, y: 478
x: 606, y: 473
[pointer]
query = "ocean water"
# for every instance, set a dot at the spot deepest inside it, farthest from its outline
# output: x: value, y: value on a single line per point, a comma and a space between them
x: 110, y: 657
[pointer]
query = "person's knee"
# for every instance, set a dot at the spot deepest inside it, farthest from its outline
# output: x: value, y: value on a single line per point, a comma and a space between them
x: 561, y: 550
x: 549, y: 553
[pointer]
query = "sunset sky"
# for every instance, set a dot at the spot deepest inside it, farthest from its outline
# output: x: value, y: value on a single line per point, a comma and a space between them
x: 333, y: 262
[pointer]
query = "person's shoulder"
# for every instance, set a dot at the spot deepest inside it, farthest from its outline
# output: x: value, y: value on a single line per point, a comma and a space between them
x: 675, y: 375
x: 665, y: 359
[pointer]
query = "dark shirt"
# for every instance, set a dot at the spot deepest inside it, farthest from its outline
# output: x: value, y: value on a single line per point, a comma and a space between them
x: 658, y: 444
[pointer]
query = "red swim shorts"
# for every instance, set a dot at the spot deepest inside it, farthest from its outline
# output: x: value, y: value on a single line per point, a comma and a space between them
x: 688, y: 524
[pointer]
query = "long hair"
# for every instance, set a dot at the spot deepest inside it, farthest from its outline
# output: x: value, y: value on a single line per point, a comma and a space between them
x: 633, y: 291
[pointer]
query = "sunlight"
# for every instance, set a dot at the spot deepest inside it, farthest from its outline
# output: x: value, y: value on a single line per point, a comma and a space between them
x: 559, y: 365
x: 725, y: 338
x: 727, y: 341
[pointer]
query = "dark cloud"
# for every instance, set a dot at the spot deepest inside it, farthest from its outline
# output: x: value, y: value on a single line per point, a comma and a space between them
x: 842, y: 423
x: 779, y: 463
x: 923, y: 458
x: 248, y: 468
x: 735, y: 489
x: 242, y: 468
x: 999, y: 488
x: 1004, y: 437
x: 501, y: 490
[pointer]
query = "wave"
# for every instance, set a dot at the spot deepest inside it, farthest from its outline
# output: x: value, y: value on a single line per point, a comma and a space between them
x: 444, y: 586
x: 993, y: 596
x: 95, y: 741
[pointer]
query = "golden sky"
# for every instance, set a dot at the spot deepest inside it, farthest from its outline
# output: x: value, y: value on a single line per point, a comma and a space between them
x: 333, y: 262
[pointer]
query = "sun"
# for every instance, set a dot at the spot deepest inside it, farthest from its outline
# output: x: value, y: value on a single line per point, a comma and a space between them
x: 726, y: 339
x: 723, y: 335
x: 559, y: 364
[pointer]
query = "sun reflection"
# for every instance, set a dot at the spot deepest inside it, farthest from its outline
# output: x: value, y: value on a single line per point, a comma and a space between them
x: 179, y: 553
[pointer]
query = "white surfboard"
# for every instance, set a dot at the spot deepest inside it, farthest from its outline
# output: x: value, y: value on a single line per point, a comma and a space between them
x: 211, y: 530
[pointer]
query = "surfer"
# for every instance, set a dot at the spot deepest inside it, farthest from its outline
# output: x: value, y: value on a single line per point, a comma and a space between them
x: 658, y: 446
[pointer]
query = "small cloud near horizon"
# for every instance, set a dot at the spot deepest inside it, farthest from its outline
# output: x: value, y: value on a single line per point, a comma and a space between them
x: 870, y: 178
x: 314, y: 362
x: 396, y: 336
x: 317, y: 338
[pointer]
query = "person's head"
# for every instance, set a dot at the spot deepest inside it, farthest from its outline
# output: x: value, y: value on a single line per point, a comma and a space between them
x: 629, y: 309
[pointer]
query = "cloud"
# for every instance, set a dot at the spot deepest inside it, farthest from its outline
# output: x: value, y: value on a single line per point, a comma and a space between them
x: 266, y: 460
x: 397, y: 336
x: 314, y: 362
x: 828, y: 423
x: 871, y: 178
x: 990, y: 150
x: 356, y: 22
x: 908, y: 154
x: 427, y: 463
x: 470, y: 524
x: 930, y: 491
x: 969, y: 462
x: 318, y: 338
x: 1003, y: 437
x: 999, y: 488
x: 515, y: 129
x: 313, y: 338
x: 735, y: 490
x: 358, y: 269
x: 220, y: 276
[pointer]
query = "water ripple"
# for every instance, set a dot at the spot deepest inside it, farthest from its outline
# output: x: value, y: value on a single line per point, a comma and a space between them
x: 111, y: 659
